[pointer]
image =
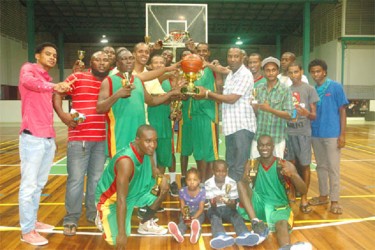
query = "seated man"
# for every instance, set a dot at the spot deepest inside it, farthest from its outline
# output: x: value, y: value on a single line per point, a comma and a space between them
x: 126, y: 182
x: 267, y: 200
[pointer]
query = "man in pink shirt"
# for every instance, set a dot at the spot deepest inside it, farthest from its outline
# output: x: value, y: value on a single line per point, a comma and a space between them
x: 36, y: 143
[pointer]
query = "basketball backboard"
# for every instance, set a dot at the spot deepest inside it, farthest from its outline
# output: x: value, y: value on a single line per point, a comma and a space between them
x: 185, y: 20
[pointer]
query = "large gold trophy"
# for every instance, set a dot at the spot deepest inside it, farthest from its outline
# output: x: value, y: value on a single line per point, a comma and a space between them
x: 191, y: 65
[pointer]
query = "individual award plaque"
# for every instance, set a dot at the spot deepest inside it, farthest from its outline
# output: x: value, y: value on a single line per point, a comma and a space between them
x: 187, y: 217
x: 191, y: 65
x: 156, y: 188
x: 228, y: 188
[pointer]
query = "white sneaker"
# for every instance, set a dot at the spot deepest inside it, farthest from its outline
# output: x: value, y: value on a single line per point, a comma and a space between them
x: 150, y: 227
x: 301, y: 246
x: 98, y: 222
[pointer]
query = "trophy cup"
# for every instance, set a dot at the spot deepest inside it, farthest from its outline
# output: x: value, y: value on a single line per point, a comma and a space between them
x: 125, y: 81
x: 191, y: 65
x: 156, y: 188
x: 228, y: 188
x: 147, y: 39
x: 81, y: 55
x: 187, y: 217
x: 252, y: 172
x: 176, y: 107
x: 254, y: 95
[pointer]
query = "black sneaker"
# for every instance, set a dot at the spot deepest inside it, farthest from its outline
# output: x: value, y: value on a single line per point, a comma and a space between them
x: 260, y: 228
x: 173, y: 190
x: 142, y: 211
x: 183, y: 182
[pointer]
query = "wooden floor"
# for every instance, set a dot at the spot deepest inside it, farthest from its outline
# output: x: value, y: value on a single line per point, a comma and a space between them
x: 354, y: 229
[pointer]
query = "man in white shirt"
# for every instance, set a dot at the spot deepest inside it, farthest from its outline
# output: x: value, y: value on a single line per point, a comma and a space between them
x: 286, y: 59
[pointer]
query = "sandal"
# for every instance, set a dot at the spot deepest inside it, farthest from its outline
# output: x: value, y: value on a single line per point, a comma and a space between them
x: 315, y: 201
x: 70, y: 229
x: 306, y: 209
x: 336, y: 209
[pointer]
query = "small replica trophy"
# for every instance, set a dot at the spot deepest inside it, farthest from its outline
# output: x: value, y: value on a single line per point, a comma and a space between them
x: 78, y: 117
x: 147, y: 40
x: 176, y: 109
x: 228, y: 188
x: 125, y: 81
x: 252, y: 172
x: 81, y: 55
x: 156, y: 188
x: 254, y: 95
x: 187, y: 217
x: 191, y: 65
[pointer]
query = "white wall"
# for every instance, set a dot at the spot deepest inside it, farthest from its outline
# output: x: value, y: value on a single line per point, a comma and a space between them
x: 331, y: 53
x: 359, y: 65
x: 13, y: 54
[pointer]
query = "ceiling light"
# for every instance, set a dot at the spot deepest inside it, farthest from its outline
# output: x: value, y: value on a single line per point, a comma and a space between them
x: 104, y: 39
x: 239, y: 42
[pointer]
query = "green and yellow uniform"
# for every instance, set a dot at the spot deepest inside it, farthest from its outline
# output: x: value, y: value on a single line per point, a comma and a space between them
x: 125, y: 116
x: 204, y: 115
x: 269, y: 198
x: 139, y: 189
x: 158, y: 116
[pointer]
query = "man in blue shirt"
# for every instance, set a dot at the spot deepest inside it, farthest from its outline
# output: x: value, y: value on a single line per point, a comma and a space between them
x: 328, y: 135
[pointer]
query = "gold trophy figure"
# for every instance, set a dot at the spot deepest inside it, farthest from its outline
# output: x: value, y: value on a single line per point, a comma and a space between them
x: 125, y: 81
x: 228, y: 188
x: 187, y: 217
x: 254, y: 96
x: 81, y: 55
x: 191, y: 65
x: 147, y: 39
x: 156, y: 188
x: 252, y: 172
x: 176, y: 109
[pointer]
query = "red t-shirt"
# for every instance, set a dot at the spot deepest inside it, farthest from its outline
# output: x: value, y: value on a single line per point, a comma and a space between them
x: 84, y: 93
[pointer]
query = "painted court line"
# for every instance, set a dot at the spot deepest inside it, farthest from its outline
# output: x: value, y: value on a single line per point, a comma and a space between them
x: 331, y: 224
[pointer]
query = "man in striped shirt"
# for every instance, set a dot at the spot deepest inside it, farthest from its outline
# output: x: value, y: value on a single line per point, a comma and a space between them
x: 86, y: 142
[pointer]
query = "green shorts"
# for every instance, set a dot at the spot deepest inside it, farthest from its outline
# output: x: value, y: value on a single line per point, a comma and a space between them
x: 204, y: 139
x: 184, y: 139
x: 109, y: 216
x: 268, y: 213
x: 164, y: 152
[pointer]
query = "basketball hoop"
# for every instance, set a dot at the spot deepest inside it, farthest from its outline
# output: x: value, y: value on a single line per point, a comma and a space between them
x: 176, y: 37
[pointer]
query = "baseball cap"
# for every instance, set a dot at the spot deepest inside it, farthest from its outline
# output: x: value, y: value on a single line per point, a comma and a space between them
x: 271, y: 60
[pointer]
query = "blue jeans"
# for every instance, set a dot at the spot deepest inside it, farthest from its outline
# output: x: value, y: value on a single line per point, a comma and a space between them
x: 36, y: 156
x: 183, y: 227
x: 84, y: 158
x: 218, y: 214
x: 238, y: 147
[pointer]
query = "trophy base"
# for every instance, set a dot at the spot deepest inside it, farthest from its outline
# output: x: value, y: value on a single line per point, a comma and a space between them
x: 187, y: 221
x: 187, y: 91
x: 155, y: 192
